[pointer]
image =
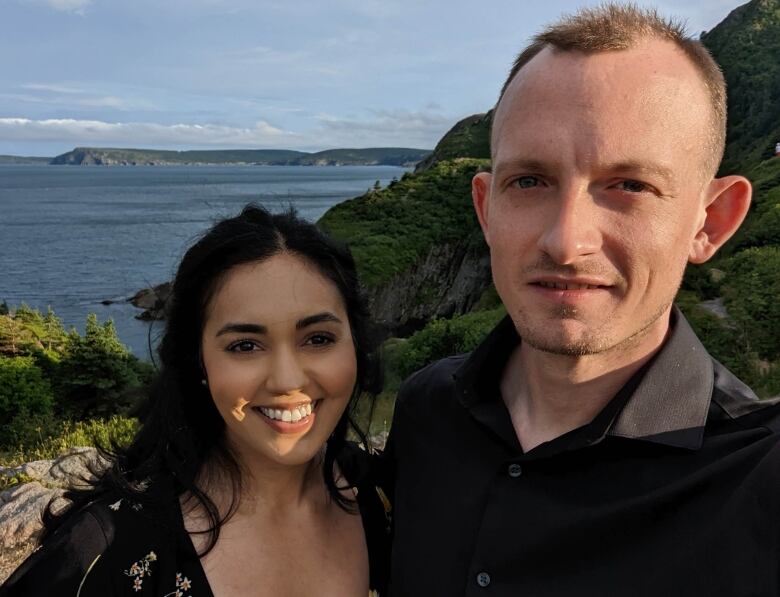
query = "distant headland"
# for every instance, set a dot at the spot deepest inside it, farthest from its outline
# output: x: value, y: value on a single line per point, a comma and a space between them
x: 99, y: 156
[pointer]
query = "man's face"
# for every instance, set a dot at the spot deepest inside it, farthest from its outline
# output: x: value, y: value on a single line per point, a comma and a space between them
x: 597, y: 194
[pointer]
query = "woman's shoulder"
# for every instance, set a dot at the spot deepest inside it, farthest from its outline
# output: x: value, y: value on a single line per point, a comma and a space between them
x: 110, y: 546
x: 59, y: 565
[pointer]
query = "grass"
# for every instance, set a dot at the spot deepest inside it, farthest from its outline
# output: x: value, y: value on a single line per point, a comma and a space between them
x: 48, y: 440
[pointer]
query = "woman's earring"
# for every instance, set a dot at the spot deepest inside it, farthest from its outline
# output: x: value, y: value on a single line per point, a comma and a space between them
x: 204, y: 382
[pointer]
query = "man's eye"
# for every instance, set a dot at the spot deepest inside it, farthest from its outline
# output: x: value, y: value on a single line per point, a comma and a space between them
x: 526, y: 182
x: 320, y: 340
x: 633, y: 186
x: 242, y: 346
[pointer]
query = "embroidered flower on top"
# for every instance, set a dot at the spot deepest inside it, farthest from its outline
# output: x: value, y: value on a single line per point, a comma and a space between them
x: 182, y: 584
x: 140, y: 569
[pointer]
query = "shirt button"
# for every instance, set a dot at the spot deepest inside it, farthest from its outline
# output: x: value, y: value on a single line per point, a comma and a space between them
x: 515, y: 470
x: 483, y: 579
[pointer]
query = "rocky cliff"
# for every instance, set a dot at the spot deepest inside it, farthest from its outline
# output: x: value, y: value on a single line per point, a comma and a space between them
x: 448, y: 280
x: 417, y: 244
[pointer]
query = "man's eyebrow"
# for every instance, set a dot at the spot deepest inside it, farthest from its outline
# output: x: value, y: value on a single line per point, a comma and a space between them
x: 242, y: 328
x: 526, y: 165
x: 325, y: 316
x: 643, y: 168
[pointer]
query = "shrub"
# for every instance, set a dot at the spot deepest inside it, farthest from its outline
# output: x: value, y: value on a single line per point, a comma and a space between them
x: 751, y: 294
x: 441, y: 338
x: 24, y: 393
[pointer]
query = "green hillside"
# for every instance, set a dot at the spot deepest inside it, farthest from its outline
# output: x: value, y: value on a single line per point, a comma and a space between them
x: 391, y: 229
x: 389, y: 156
x: 747, y: 46
x: 469, y: 138
x: 18, y: 159
x: 384, y: 156
x: 112, y: 156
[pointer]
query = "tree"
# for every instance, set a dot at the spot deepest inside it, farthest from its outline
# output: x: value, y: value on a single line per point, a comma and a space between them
x: 97, y: 372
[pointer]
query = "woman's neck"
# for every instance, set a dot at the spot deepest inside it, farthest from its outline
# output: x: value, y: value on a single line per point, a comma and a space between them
x: 264, y: 486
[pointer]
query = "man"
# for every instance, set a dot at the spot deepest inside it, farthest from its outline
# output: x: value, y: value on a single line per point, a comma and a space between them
x: 590, y: 445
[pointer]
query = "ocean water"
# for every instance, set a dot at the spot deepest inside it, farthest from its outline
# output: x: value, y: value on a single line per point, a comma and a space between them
x: 71, y: 237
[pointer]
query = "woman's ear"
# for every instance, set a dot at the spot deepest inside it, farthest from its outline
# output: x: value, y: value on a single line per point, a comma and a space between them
x: 725, y: 208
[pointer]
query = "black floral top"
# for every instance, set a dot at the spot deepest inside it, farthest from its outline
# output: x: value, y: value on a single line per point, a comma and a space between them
x: 118, y: 547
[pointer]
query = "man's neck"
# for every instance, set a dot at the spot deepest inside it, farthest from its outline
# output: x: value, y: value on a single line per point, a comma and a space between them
x: 548, y: 395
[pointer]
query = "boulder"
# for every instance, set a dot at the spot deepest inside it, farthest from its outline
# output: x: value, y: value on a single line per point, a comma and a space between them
x: 22, y: 505
x: 152, y: 300
x: 21, y: 508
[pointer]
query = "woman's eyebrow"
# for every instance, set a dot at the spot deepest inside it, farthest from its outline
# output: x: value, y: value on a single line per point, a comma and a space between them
x: 242, y: 328
x: 325, y: 316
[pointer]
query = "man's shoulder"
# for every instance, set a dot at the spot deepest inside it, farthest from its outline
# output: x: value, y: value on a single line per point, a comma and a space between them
x: 734, y: 400
x: 431, y: 384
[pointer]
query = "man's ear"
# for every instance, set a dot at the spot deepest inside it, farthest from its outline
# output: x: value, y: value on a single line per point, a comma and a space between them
x: 480, y: 194
x: 728, y: 202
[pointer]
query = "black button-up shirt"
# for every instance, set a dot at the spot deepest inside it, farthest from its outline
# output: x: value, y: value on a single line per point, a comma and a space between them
x: 673, y: 489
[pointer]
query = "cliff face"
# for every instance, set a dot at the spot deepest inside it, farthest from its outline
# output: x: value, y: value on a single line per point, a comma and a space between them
x: 417, y: 245
x: 447, y: 281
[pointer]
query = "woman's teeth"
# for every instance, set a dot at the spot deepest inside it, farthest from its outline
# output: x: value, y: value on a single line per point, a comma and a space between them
x: 287, y: 416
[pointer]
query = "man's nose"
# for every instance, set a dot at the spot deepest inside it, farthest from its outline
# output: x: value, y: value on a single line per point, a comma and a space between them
x: 572, y: 228
x: 287, y: 372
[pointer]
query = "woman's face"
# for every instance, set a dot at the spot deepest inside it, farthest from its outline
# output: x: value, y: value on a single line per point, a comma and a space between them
x: 279, y: 358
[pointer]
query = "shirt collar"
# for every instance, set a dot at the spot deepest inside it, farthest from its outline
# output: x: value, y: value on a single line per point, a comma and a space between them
x: 669, y: 396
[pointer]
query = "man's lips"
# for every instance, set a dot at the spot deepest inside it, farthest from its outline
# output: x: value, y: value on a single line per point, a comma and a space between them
x: 555, y: 283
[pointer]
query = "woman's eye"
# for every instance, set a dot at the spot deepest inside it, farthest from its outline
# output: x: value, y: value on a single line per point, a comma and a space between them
x: 633, y: 186
x: 319, y: 340
x: 242, y: 346
x: 526, y: 182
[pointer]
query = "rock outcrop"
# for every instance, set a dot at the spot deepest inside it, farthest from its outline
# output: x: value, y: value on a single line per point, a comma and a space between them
x: 448, y: 281
x: 41, y: 481
x: 152, y: 301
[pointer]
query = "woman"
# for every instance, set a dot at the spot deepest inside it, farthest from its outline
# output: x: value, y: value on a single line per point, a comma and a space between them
x: 240, y: 480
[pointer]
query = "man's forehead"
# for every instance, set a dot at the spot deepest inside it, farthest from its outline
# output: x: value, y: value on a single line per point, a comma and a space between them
x: 623, y: 80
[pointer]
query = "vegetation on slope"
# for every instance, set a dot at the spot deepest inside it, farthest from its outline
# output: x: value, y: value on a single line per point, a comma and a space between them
x: 50, y: 378
x: 747, y: 46
x: 469, y: 138
x: 389, y: 230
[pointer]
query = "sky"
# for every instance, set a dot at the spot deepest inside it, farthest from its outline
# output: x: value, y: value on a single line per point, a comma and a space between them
x: 261, y: 74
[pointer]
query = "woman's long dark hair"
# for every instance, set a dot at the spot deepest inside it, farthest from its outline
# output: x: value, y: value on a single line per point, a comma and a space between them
x: 181, y: 428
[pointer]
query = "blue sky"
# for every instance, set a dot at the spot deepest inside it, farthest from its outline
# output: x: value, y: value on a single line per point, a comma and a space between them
x: 297, y: 74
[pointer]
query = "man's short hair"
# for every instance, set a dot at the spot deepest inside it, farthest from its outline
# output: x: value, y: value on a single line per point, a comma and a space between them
x: 620, y: 27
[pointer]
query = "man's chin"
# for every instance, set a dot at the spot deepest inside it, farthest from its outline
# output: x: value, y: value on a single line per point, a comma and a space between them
x: 569, y: 349
x: 571, y: 339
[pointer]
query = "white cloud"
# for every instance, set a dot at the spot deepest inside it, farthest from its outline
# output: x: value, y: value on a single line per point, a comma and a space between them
x: 96, y: 132
x: 51, y: 88
x: 388, y: 128
x: 67, y: 95
x: 74, y: 6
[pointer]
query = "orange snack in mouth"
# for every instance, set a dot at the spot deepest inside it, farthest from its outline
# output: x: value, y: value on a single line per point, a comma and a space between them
x: 238, y: 409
